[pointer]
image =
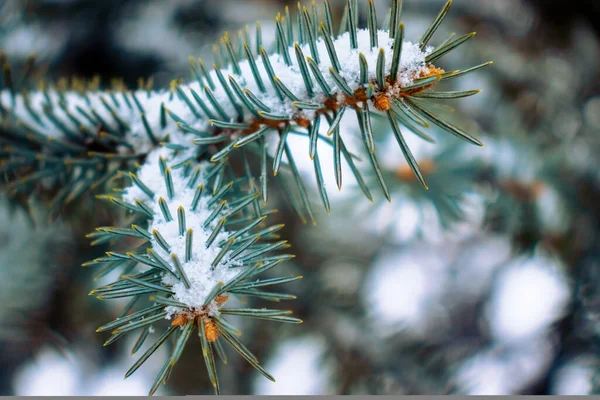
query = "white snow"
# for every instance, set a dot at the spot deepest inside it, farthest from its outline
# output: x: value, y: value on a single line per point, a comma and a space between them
x: 51, y: 373
x: 404, y: 290
x: 412, y: 62
x: 501, y: 370
x: 530, y: 295
x: 198, y: 269
x: 576, y: 377
x: 92, y: 101
x: 42, y: 375
x: 24, y: 40
x: 299, y: 368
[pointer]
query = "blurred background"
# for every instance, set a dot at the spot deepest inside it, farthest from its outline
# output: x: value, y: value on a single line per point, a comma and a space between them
x: 488, y: 283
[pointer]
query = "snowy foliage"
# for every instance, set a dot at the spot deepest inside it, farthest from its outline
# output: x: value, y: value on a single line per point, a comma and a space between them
x: 193, y: 224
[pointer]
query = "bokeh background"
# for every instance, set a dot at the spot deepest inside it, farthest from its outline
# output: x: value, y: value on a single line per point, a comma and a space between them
x: 489, y: 283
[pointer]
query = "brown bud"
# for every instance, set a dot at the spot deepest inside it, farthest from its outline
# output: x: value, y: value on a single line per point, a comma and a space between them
x: 382, y: 102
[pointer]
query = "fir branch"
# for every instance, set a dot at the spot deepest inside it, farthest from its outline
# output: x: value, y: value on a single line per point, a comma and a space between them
x: 193, y: 262
x: 183, y: 207
x: 361, y: 69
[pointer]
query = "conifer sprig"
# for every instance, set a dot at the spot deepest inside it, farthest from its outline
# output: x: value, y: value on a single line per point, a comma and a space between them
x: 196, y: 245
x: 306, y: 86
x: 197, y: 228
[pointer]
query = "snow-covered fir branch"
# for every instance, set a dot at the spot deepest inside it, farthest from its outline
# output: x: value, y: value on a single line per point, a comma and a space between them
x: 197, y: 249
x: 201, y: 240
x: 61, y: 114
x: 313, y: 78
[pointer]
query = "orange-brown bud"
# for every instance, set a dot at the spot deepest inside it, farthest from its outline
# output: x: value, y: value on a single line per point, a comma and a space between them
x: 180, y: 320
x: 303, y: 122
x: 431, y: 70
x: 210, y: 329
x: 382, y: 102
